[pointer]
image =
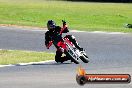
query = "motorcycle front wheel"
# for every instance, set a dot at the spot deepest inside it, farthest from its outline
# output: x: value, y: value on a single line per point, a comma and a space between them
x: 84, y: 58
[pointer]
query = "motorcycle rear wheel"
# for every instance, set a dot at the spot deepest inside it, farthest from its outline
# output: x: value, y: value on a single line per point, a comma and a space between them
x: 73, y: 59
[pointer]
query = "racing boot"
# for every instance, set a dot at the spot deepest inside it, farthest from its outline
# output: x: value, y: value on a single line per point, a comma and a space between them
x: 63, y: 59
x: 77, y: 45
x: 73, y: 40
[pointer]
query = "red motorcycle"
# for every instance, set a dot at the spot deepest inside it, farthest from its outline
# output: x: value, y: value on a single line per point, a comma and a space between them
x: 69, y: 49
x: 74, y: 54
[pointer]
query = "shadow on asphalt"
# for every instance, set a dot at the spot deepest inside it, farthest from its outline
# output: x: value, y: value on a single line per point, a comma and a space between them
x: 46, y: 64
x: 52, y: 64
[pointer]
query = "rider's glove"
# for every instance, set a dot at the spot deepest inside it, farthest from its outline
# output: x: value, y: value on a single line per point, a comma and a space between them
x: 64, y: 22
x: 47, y: 46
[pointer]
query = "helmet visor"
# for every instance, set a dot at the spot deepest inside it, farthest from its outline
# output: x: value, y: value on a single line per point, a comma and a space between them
x: 51, y: 26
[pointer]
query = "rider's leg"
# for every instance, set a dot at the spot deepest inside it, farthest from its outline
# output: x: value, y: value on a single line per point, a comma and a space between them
x: 59, y: 58
x: 73, y: 40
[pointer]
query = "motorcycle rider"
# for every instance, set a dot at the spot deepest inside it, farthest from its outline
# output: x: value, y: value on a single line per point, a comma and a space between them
x: 54, y: 35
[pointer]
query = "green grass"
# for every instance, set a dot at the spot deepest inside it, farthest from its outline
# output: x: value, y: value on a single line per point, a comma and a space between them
x: 79, y: 15
x: 17, y: 56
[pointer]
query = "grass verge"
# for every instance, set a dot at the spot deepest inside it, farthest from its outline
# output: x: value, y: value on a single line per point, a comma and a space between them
x: 18, y: 56
x: 79, y: 15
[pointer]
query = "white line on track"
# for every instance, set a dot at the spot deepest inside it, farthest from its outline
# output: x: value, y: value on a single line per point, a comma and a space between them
x: 30, y: 63
x: 45, y: 29
x: 77, y: 31
x: 101, y: 32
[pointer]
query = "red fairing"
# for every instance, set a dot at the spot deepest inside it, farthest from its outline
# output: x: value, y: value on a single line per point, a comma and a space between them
x: 68, y: 41
x: 64, y: 29
x: 61, y: 44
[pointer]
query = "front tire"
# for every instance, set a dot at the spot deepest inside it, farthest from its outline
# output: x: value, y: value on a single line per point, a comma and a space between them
x: 84, y: 58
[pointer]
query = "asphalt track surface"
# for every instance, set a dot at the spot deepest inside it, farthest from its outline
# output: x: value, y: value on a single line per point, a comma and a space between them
x: 108, y: 53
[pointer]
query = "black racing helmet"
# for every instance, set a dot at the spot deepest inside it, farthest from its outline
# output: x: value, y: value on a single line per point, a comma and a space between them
x: 51, y: 24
